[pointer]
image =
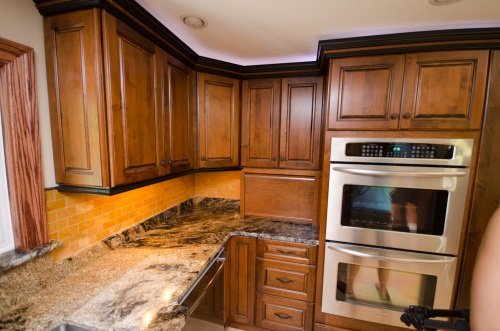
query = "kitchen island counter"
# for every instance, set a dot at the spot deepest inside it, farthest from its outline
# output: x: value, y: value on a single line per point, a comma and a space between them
x: 133, y: 280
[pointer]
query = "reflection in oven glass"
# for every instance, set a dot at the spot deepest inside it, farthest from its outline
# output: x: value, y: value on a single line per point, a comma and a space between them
x: 395, y: 209
x: 385, y: 288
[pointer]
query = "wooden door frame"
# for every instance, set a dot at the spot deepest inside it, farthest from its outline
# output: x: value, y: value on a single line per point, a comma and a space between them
x: 19, y: 111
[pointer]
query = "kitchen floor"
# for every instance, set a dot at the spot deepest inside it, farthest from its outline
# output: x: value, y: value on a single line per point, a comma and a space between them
x: 198, y: 325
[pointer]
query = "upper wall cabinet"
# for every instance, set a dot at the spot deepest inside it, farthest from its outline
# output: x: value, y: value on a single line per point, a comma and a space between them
x: 76, y: 98
x: 177, y: 115
x: 132, y: 79
x: 139, y: 128
x: 218, y: 121
x: 429, y: 91
x: 281, y: 122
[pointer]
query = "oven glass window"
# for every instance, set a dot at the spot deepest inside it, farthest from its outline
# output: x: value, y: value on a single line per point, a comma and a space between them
x: 390, y: 289
x: 394, y: 208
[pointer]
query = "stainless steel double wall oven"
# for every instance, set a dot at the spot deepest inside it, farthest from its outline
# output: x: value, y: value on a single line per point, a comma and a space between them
x: 394, y: 221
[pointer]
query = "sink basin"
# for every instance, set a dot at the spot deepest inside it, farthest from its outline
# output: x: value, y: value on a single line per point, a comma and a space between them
x: 69, y: 327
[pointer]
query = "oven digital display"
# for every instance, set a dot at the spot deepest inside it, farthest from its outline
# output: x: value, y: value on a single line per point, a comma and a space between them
x: 400, y: 150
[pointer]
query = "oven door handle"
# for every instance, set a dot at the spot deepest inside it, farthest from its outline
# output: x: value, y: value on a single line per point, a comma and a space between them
x: 358, y: 251
x: 365, y: 172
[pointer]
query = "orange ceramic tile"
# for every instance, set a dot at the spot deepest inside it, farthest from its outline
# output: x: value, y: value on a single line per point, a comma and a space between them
x: 81, y: 220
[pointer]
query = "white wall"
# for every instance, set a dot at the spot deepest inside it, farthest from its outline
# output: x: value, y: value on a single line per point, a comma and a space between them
x: 21, y: 22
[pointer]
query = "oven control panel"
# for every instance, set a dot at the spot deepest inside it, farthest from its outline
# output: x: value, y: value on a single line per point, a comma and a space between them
x: 400, y: 150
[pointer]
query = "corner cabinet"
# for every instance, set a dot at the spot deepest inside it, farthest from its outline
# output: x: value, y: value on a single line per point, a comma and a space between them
x: 120, y: 108
x: 218, y: 121
x: 281, y: 123
x: 419, y: 91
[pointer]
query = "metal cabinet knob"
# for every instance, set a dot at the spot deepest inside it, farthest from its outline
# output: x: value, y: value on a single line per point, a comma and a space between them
x: 282, y: 159
x: 274, y: 158
x: 394, y: 116
x: 283, y: 316
x: 203, y: 158
x: 163, y: 162
x: 406, y: 115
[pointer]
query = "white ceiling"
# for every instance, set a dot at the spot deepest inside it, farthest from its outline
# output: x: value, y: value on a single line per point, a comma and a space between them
x: 251, y: 32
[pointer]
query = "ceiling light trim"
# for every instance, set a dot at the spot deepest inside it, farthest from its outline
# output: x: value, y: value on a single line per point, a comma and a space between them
x: 443, y: 2
x: 194, y: 21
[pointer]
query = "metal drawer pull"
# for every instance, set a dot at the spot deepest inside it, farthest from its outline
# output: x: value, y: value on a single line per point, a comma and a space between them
x: 365, y: 172
x: 363, y: 253
x: 283, y: 316
x: 284, y: 280
x: 285, y: 252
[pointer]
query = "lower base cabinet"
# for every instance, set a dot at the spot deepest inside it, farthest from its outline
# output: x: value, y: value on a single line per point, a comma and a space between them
x: 282, y: 314
x: 272, y: 284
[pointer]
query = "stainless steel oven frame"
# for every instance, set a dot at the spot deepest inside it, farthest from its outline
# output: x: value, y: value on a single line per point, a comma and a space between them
x: 449, y: 175
x: 453, y: 180
x: 441, y: 266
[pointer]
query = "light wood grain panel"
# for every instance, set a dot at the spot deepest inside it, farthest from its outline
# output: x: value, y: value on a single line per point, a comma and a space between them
x: 364, y: 92
x: 218, y: 121
x: 285, y: 279
x: 19, y: 111
x: 180, y: 116
x: 301, y: 115
x: 260, y: 122
x: 75, y: 97
x: 282, y: 194
x: 281, y: 314
x: 242, y: 280
x: 288, y: 252
x: 131, y: 83
x: 444, y: 90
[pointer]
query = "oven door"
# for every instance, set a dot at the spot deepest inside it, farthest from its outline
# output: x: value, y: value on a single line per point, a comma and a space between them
x: 375, y: 284
x: 413, y: 208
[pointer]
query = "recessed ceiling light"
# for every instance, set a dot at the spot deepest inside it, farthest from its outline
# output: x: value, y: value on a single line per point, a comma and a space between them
x: 442, y: 2
x: 194, y: 21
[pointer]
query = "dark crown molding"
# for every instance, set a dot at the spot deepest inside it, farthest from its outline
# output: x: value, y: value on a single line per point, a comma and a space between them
x: 136, y: 16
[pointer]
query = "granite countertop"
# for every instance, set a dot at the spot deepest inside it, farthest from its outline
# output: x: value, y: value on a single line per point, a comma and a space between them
x: 133, y: 280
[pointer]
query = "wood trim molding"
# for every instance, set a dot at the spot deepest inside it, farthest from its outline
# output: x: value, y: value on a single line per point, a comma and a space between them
x: 19, y: 111
x: 140, y: 19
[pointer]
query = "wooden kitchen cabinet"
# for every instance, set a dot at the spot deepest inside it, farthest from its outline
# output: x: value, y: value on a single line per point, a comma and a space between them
x: 429, y: 91
x: 444, y: 90
x: 280, y: 193
x: 141, y: 130
x: 260, y: 122
x: 281, y: 122
x: 285, y: 289
x: 272, y: 284
x: 218, y: 121
x: 76, y: 98
x: 242, y: 280
x: 132, y: 79
x: 177, y: 115
x: 280, y: 314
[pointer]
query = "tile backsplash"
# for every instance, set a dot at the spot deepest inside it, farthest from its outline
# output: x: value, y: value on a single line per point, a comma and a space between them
x: 80, y: 220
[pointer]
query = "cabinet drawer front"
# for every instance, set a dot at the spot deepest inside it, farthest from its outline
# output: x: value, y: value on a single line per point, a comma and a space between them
x: 275, y: 313
x: 294, y: 281
x: 290, y: 252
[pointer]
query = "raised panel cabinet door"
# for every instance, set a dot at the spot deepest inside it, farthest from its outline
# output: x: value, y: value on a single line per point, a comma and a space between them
x: 72, y: 46
x: 134, y: 138
x: 445, y: 90
x: 260, y: 123
x: 218, y: 121
x: 242, y: 280
x: 365, y: 92
x: 177, y: 116
x: 300, y: 130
